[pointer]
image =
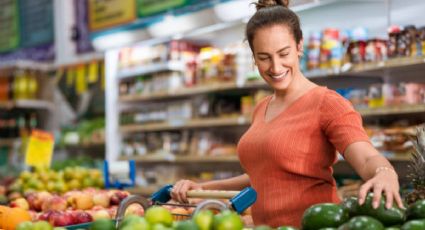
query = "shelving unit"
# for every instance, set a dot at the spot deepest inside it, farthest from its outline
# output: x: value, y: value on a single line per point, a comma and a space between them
x: 187, y: 124
x: 27, y: 104
x: 362, y: 75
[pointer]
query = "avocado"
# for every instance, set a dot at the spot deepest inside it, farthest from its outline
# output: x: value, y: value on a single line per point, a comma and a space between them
x: 263, y: 227
x: 328, y: 229
x: 351, y: 205
x: 286, y: 228
x: 392, y: 228
x: 414, y: 225
x: 362, y: 223
x: 416, y: 210
x: 186, y: 225
x: 323, y: 215
x: 389, y: 217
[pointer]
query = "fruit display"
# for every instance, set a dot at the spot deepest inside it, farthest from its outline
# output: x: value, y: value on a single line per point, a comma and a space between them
x: 71, y: 178
x: 417, y: 168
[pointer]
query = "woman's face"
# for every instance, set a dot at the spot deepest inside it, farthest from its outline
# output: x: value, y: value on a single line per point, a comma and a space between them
x: 276, y: 55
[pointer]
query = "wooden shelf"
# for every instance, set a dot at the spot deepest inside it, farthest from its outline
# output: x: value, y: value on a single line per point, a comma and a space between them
x: 157, y: 158
x: 216, y: 87
x: 400, y: 62
x: 392, y: 110
x: 187, y: 124
x: 152, y: 68
x: 27, y: 104
x: 8, y: 142
x: 25, y: 64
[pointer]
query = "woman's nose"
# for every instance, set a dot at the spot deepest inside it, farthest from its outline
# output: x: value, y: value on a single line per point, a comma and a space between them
x: 275, y: 68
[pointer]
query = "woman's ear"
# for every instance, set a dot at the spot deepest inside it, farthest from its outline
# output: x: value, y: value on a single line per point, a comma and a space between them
x: 300, y: 48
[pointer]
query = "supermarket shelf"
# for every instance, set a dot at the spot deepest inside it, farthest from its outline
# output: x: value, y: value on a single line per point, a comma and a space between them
x: 24, y: 64
x: 392, y: 63
x: 153, y: 68
x: 217, y: 87
x: 8, y: 142
x: 157, y: 158
x: 27, y: 104
x: 187, y: 124
x: 392, y: 110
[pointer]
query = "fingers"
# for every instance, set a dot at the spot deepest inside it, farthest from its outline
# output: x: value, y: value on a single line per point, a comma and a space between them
x: 180, y: 189
x: 363, y: 192
x: 389, y: 198
x: 377, y: 193
x: 398, y: 200
x: 175, y: 192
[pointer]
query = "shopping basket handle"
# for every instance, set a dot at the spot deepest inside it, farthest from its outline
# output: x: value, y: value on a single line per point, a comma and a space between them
x: 211, y: 194
x: 132, y: 199
x: 238, y: 200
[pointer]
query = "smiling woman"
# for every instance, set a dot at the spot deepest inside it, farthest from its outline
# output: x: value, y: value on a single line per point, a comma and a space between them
x: 289, y: 150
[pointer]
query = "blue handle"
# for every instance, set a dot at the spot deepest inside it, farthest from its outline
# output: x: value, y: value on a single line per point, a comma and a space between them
x: 243, y: 200
x: 163, y: 194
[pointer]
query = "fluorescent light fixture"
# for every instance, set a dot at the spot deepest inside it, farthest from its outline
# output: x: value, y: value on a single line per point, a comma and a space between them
x: 120, y: 39
x: 172, y: 25
x: 234, y: 10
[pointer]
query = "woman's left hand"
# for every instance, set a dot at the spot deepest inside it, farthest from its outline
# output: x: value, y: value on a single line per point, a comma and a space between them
x: 386, y: 182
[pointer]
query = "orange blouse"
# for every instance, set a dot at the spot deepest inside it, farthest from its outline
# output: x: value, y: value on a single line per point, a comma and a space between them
x: 289, y: 159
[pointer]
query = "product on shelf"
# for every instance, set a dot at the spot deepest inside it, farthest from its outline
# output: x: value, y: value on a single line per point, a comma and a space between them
x: 17, y: 123
x: 57, y: 181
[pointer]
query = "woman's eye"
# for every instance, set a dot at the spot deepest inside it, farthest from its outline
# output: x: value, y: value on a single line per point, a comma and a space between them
x: 263, y: 58
x: 283, y: 55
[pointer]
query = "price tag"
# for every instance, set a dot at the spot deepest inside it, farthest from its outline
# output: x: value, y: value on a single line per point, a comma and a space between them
x: 70, y: 76
x: 81, y: 83
x: 40, y: 149
x: 93, y: 72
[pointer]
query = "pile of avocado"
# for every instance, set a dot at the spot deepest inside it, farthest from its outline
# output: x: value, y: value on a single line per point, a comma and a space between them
x: 349, y: 215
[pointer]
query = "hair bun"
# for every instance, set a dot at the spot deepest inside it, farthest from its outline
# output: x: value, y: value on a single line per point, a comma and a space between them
x: 268, y: 3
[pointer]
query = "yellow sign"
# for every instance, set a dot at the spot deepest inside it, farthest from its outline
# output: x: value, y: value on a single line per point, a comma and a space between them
x: 40, y: 149
x: 70, y: 76
x: 93, y: 72
x: 108, y: 13
x: 80, y: 81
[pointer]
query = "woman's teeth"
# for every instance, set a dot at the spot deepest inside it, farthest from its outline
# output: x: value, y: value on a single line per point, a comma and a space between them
x: 276, y: 77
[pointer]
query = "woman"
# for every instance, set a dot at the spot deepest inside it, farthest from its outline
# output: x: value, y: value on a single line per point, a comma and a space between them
x: 289, y: 150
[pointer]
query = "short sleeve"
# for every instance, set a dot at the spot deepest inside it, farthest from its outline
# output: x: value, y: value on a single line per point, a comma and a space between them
x: 340, y: 122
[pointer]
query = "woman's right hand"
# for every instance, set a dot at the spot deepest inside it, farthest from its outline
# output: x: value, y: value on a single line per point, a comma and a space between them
x: 180, y: 189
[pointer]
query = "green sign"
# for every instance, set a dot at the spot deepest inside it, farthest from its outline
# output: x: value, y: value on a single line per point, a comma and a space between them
x: 151, y: 7
x: 9, y: 25
x: 36, y: 22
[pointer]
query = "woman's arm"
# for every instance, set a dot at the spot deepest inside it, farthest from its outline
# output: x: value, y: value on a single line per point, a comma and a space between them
x: 235, y: 183
x: 376, y: 170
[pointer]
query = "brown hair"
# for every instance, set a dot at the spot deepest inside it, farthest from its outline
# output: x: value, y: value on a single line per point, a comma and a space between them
x: 273, y: 12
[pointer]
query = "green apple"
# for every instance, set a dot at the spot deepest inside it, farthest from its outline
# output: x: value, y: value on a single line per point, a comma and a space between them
x: 159, y: 215
x: 42, y: 225
x: 227, y: 220
x: 27, y: 225
x: 204, y: 219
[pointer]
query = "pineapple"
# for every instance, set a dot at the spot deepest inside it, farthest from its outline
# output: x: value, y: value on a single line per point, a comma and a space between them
x: 417, y: 168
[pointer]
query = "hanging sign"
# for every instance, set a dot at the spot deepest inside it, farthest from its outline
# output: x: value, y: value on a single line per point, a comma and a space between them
x: 36, y: 22
x: 9, y: 28
x: 151, y: 7
x: 40, y: 149
x: 108, y: 13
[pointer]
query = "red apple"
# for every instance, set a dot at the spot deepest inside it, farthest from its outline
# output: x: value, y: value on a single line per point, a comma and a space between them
x: 101, y: 214
x: 56, y: 203
x: 20, y: 203
x: 134, y: 209
x: 82, y: 217
x: 101, y: 199
x: 117, y: 196
x: 36, y: 200
x: 59, y: 219
x: 82, y: 201
x: 113, y: 211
